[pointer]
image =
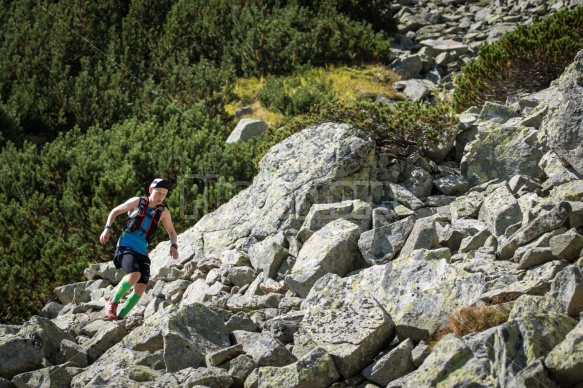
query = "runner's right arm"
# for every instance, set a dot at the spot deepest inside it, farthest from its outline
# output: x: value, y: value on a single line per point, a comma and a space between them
x: 127, y: 206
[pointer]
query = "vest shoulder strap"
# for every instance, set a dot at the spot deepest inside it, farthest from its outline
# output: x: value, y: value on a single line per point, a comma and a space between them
x: 158, y: 213
x: 143, y: 206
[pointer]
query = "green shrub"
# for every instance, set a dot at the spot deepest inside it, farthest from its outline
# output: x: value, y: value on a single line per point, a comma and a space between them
x: 525, y: 60
x: 375, y: 12
x: 117, y: 58
x: 403, y: 124
x: 291, y: 96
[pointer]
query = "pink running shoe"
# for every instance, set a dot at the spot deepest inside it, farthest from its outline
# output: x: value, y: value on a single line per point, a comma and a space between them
x: 111, y: 310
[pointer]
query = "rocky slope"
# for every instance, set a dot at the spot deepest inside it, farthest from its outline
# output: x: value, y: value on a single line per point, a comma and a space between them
x: 338, y: 264
x: 436, y: 38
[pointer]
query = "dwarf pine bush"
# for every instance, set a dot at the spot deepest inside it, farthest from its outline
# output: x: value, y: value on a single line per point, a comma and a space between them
x: 291, y: 96
x: 525, y: 60
x: 403, y: 124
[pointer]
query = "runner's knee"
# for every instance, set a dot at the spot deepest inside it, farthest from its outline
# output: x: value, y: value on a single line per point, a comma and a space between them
x: 140, y: 288
x: 133, y: 277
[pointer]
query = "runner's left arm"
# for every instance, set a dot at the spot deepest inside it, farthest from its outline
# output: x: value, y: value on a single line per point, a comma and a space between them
x: 167, y: 222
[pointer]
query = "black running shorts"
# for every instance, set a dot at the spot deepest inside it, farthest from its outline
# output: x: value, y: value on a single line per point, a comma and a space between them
x: 132, y: 261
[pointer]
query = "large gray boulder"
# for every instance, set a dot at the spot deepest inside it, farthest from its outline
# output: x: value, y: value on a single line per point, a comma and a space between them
x: 323, y: 164
x: 423, y: 236
x: 51, y: 310
x: 106, y: 271
x: 223, y: 355
x: 452, y: 185
x: 531, y: 256
x: 179, y: 379
x: 195, y: 293
x: 532, y: 304
x: 241, y: 276
x: 404, y: 196
x: 19, y: 355
x: 416, y: 89
x: 534, y: 375
x: 502, y: 153
x: 475, y: 359
x: 189, y: 334
x: 568, y: 191
x: 73, y: 353
x: 567, y: 246
x: 315, y: 370
x: 118, y: 367
x: 67, y: 293
x: 49, y: 335
x: 357, y: 212
x: 563, y: 123
x: 436, y: 47
x: 182, y: 337
x: 438, y: 151
x: 411, y: 22
x: 351, y: 328
x: 393, y: 365
x: 207, y: 377
x: 108, y: 334
x: 408, y: 67
x: 263, y: 348
x: 240, y: 368
x: 542, y: 224
x: 419, y: 291
x: 500, y: 210
x: 237, y: 303
x: 557, y: 171
x: 333, y: 249
x: 497, y: 113
x: 381, y: 245
x: 523, y: 341
x: 247, y: 129
x: 268, y: 255
x: 565, y: 361
x: 467, y: 206
x: 449, y: 356
x: 54, y: 376
x: 567, y: 289
x: 417, y: 180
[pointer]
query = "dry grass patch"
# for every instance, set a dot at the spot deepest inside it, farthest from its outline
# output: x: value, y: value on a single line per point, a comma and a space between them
x: 348, y: 84
x: 472, y: 319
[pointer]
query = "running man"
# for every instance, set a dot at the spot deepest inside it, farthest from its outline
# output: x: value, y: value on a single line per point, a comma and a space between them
x: 131, y: 254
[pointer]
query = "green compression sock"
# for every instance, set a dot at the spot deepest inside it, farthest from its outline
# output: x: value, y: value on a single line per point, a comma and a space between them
x: 133, y: 299
x: 123, y: 287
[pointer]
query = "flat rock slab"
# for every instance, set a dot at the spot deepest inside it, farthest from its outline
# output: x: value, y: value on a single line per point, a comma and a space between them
x: 438, y: 46
x: 332, y: 249
x: 315, y: 370
x: 351, y: 328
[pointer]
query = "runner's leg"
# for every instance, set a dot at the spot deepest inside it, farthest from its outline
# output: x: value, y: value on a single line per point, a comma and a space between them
x: 139, y: 287
x: 132, y: 269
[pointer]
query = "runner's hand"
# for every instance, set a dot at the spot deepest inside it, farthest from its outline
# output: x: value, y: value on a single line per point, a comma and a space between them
x: 104, y: 236
x: 174, y: 253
